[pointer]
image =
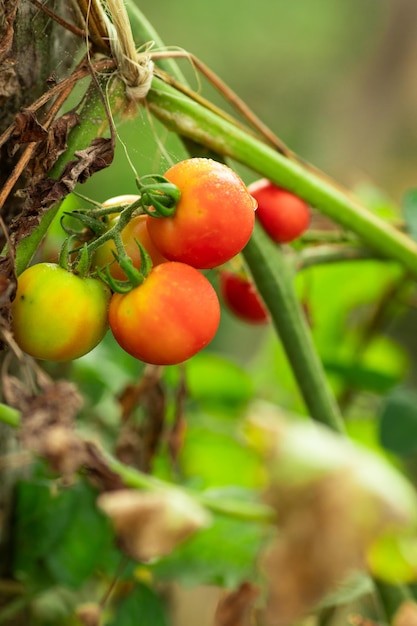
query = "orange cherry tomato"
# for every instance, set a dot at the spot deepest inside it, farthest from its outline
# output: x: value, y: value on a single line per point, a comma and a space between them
x: 214, y: 217
x: 167, y: 319
x: 283, y: 215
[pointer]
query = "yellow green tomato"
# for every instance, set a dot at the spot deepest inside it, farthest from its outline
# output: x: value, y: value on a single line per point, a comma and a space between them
x: 57, y: 315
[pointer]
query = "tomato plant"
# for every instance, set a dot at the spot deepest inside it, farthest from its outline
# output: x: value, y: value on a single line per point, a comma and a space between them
x: 214, y: 217
x: 57, y: 315
x: 283, y: 215
x: 242, y: 298
x: 167, y: 319
x: 135, y: 231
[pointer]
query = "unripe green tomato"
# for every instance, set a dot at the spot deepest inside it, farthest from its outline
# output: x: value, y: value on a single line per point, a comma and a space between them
x: 213, y: 219
x: 57, y: 315
x: 167, y: 319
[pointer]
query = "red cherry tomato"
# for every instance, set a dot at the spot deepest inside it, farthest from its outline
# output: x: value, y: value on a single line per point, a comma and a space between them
x: 136, y: 229
x: 214, y: 217
x: 283, y: 215
x: 56, y: 315
x: 241, y: 298
x: 167, y: 319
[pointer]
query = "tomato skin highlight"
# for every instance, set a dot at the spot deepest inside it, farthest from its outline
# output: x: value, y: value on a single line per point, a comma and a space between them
x: 283, y: 215
x: 167, y: 319
x: 240, y: 296
x: 136, y: 229
x: 214, y: 217
x: 56, y: 315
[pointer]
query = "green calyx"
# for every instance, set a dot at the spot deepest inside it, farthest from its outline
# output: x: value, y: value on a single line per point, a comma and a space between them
x: 135, y: 277
x: 158, y: 197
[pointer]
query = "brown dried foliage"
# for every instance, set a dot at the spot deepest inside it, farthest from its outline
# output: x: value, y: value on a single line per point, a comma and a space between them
x: 318, y: 545
x: 236, y: 608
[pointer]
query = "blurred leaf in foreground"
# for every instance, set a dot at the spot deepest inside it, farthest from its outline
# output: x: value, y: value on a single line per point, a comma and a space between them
x: 336, y: 503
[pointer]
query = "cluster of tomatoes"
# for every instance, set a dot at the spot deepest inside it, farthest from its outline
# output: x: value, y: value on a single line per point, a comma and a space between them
x: 172, y: 311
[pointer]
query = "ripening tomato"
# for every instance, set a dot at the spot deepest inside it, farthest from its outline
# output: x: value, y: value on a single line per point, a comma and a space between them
x: 56, y: 315
x: 167, y: 319
x: 242, y: 298
x: 136, y: 229
x: 283, y: 215
x: 214, y: 217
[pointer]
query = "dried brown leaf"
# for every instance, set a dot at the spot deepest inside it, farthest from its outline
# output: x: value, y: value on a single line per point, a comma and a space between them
x: 317, y: 546
x: 47, y: 192
x: 9, y: 16
x: 406, y: 614
x: 98, y: 470
x: 138, y: 442
x: 47, y: 423
x: 54, y: 144
x: 236, y: 608
x: 7, y: 289
x: 149, y: 524
x: 89, y: 614
x: 27, y: 128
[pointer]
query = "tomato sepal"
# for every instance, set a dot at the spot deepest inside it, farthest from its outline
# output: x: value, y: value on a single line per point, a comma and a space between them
x: 158, y: 198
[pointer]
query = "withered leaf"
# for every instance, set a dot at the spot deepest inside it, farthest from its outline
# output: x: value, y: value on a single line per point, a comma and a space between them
x: 54, y: 144
x: 89, y: 614
x: 96, y: 157
x: 98, y: 470
x: 406, y: 614
x: 47, y: 423
x: 27, y: 128
x: 138, y: 443
x: 7, y: 26
x: 236, y: 608
x: 7, y: 289
x: 318, y: 544
x: 151, y: 524
x: 47, y: 192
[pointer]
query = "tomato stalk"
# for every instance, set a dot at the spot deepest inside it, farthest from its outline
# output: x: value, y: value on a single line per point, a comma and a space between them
x: 274, y: 280
x: 135, y: 479
x: 191, y: 119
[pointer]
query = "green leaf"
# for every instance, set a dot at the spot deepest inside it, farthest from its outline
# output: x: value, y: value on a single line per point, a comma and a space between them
x: 218, y: 458
x: 142, y: 606
x: 398, y: 422
x: 215, y: 381
x: 86, y: 543
x: 224, y: 554
x: 61, y: 537
x: 361, y: 377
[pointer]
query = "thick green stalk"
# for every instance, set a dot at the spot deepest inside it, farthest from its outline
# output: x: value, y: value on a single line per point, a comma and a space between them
x: 188, y: 118
x: 274, y: 281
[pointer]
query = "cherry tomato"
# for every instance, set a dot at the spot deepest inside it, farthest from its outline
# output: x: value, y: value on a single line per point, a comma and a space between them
x: 56, y: 315
x: 167, y: 319
x: 214, y: 217
x: 241, y: 298
x: 136, y: 229
x: 283, y: 215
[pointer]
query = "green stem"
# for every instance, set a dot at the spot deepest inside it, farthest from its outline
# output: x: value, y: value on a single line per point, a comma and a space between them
x: 9, y: 415
x: 188, y: 118
x: 274, y: 281
x: 133, y: 478
x: 252, y: 511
